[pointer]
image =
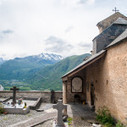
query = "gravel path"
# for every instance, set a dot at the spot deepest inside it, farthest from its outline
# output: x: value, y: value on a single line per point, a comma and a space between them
x: 9, y: 119
x: 48, y: 123
x: 81, y: 115
x: 35, y: 121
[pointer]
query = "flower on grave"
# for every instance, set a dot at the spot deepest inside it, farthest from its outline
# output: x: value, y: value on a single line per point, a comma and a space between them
x: 25, y: 105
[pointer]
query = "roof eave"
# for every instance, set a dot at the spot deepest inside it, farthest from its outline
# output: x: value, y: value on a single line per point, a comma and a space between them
x: 88, y: 62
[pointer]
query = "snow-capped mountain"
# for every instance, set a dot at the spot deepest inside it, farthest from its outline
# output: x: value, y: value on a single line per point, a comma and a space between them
x: 20, y: 68
x: 48, y: 57
x: 43, y: 58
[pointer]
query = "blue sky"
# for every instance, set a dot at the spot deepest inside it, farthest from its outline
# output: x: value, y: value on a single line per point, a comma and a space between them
x: 64, y: 27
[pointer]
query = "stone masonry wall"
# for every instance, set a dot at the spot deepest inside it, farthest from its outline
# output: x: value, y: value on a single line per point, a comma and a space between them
x: 32, y: 94
x: 109, y: 77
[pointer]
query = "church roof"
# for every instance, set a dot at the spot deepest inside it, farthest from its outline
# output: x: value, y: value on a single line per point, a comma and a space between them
x: 97, y: 56
x: 108, y: 21
x: 119, y: 39
x: 120, y: 21
x: 87, y: 62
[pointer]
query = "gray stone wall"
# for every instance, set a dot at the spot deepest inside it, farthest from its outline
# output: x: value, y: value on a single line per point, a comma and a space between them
x: 32, y: 94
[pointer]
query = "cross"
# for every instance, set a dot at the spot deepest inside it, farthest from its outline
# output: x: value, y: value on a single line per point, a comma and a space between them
x: 59, y: 106
x: 14, y: 93
x: 115, y: 10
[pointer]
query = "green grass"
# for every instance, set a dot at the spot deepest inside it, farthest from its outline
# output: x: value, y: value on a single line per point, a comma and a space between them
x: 104, y: 117
x: 69, y: 119
x: 119, y: 124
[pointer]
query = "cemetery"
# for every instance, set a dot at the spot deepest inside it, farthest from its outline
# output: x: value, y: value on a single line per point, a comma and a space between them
x: 93, y: 94
x: 45, y: 111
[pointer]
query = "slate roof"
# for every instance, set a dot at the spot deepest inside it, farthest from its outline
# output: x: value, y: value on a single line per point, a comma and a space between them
x: 85, y: 62
x: 119, y: 38
x: 116, y: 41
x: 120, y: 21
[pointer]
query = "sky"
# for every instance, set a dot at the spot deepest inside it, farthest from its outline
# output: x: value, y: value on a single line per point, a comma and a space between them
x: 65, y: 27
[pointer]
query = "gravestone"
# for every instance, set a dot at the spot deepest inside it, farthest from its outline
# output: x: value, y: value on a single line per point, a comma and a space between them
x: 52, y: 96
x: 59, y: 106
x: 14, y: 94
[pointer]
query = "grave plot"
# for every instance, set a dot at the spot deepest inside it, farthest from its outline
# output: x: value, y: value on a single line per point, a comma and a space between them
x: 19, y: 106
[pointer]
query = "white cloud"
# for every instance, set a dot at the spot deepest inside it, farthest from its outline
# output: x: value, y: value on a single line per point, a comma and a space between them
x: 33, y: 21
x: 90, y: 1
x: 70, y: 28
x: 58, y: 45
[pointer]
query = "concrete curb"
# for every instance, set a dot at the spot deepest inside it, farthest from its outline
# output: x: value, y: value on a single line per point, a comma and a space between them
x: 37, y: 104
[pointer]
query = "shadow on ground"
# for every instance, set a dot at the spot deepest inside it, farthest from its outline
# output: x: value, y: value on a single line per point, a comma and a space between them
x: 82, y: 115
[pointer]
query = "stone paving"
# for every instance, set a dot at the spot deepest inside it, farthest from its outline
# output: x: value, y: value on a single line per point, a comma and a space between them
x: 82, y: 115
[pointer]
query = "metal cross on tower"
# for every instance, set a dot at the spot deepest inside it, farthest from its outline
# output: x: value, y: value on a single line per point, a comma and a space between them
x: 115, y: 10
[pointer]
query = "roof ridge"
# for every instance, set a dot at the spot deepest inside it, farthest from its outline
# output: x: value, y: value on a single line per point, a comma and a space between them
x: 117, y: 13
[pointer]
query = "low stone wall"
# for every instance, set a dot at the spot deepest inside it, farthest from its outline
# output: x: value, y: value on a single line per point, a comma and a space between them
x: 32, y: 95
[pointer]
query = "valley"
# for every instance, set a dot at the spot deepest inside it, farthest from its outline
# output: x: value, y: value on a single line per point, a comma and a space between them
x: 41, y: 72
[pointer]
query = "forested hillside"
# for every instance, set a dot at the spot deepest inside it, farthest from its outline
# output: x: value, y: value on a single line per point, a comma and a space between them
x: 31, y: 73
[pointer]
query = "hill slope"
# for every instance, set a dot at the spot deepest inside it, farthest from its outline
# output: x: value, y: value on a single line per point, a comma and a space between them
x: 37, y: 72
x: 20, y: 68
x: 50, y: 76
x: 1, y: 61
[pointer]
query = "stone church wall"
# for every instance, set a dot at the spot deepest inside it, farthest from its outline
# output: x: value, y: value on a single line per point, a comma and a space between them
x: 32, y: 94
x: 109, y: 77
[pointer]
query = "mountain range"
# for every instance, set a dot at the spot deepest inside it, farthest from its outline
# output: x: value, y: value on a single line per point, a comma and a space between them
x: 19, y: 68
x: 1, y: 61
x: 38, y: 72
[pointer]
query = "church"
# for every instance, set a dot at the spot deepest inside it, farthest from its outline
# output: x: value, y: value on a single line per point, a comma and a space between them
x: 101, y: 80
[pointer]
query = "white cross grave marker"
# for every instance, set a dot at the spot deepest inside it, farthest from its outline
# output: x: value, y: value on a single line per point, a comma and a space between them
x: 59, y: 106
